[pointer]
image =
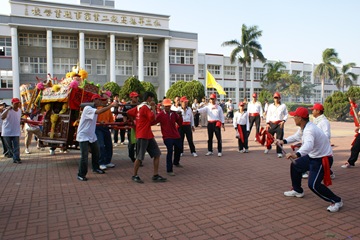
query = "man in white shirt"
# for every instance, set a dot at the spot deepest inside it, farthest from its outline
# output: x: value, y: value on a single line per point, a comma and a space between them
x: 315, y: 155
x: 215, y: 116
x: 87, y: 138
x: 187, y: 128
x: 241, y: 125
x: 275, y: 120
x: 11, y: 129
x: 195, y: 107
x: 255, y: 111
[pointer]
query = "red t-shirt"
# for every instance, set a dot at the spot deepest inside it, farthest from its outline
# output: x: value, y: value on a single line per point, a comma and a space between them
x: 144, y: 118
x: 169, y: 123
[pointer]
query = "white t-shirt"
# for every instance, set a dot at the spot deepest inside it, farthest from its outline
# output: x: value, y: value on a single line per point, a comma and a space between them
x: 87, y: 125
x: 11, y: 124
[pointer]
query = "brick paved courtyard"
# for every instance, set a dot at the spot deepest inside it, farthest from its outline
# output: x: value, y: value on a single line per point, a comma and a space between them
x: 237, y: 196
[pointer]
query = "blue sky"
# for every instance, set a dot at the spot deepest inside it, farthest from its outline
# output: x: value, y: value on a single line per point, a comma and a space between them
x: 292, y: 30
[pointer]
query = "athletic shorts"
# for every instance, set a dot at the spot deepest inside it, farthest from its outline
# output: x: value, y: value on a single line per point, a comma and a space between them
x: 147, y: 145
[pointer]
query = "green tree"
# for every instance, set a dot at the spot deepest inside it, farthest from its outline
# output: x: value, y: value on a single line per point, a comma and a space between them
x: 337, y: 106
x: 295, y: 86
x: 246, y: 49
x: 191, y: 90
x: 345, y: 77
x: 132, y: 84
x: 273, y: 75
x: 326, y: 69
x: 148, y: 87
x: 113, y: 87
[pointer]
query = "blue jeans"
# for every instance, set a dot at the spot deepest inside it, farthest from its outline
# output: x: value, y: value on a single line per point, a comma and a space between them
x: 13, y: 146
x: 84, y: 150
x: 172, y: 146
x: 316, y: 175
x: 105, y: 145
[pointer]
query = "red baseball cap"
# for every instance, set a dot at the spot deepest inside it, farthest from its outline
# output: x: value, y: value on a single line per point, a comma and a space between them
x: 97, y: 96
x: 254, y: 95
x: 241, y: 104
x: 166, y: 102
x: 183, y: 99
x: 317, y: 106
x: 15, y: 100
x: 133, y: 94
x: 300, y: 112
x: 277, y: 94
x: 213, y: 95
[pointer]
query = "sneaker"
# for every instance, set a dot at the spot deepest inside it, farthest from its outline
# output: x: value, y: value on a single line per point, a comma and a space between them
x: 158, y: 178
x: 98, y: 171
x: 280, y: 155
x: 247, y: 150
x: 52, y: 152
x: 103, y: 167
x: 110, y: 165
x: 115, y: 145
x: 219, y: 154
x: 294, y: 193
x: 137, y: 179
x: 332, y: 176
x: 347, y: 165
x: 27, y: 151
x: 334, y: 207
x: 178, y: 165
x: 266, y: 151
x: 122, y: 143
x: 181, y: 154
x: 305, y: 175
x: 194, y: 154
x: 81, y: 178
x: 241, y: 151
x: 209, y: 153
x: 255, y: 140
x: 171, y: 173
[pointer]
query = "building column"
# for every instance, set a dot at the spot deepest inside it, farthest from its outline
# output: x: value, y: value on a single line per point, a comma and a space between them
x: 166, y: 66
x: 141, y: 59
x: 112, y: 58
x: 237, y: 85
x: 82, y: 50
x: 15, y: 62
x: 49, y: 53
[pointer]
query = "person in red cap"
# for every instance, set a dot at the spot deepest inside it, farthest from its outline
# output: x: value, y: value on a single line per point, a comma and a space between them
x: 134, y: 101
x: 315, y: 155
x: 215, y: 116
x: 87, y: 138
x: 241, y: 125
x: 169, y: 120
x: 188, y: 126
x: 11, y: 129
x: 275, y: 120
x: 255, y: 111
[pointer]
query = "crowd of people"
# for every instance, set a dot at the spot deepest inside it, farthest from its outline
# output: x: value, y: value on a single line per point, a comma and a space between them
x: 312, y: 157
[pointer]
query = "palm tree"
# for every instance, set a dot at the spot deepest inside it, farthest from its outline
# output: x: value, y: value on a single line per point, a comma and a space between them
x: 246, y: 49
x: 326, y: 69
x: 273, y: 75
x: 345, y: 77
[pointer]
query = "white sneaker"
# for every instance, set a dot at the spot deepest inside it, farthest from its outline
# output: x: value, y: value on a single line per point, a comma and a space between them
x: 266, y: 151
x: 115, y: 145
x: 294, y: 193
x: 241, y: 151
x: 219, y: 154
x: 194, y: 154
x: 347, y: 165
x: 255, y: 140
x: 209, y: 153
x: 27, y: 151
x: 334, y: 207
x: 181, y: 154
x: 102, y: 167
x: 247, y: 150
x: 280, y: 155
x: 110, y: 165
x: 52, y: 152
x: 305, y: 175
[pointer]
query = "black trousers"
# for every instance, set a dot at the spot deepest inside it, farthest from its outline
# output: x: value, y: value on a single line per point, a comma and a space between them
x: 211, y: 127
x: 256, y: 120
x: 275, y: 128
x: 355, y: 149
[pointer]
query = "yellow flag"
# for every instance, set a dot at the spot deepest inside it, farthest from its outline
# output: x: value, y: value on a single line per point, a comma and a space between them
x: 211, y: 83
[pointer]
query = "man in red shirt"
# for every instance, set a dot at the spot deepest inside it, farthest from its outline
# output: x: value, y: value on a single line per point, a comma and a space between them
x: 145, y: 116
x: 168, y: 121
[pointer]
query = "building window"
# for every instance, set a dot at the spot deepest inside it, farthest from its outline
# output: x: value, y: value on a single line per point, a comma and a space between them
x: 88, y: 66
x: 150, y: 69
x: 63, y: 65
x: 181, y: 56
x: 101, y: 67
x: 229, y: 71
x: 241, y: 94
x: 257, y: 90
x: 178, y: 77
x: 201, y: 71
x: 247, y: 74
x: 32, y: 39
x: 33, y: 65
x: 63, y: 41
x: 230, y: 93
x: 95, y: 43
x: 258, y: 73
x: 327, y: 93
x: 6, y: 79
x: 150, y: 47
x: 214, y: 69
x: 5, y: 46
x: 307, y: 76
x: 317, y: 97
x: 295, y: 72
x: 123, y: 45
x: 124, y: 68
